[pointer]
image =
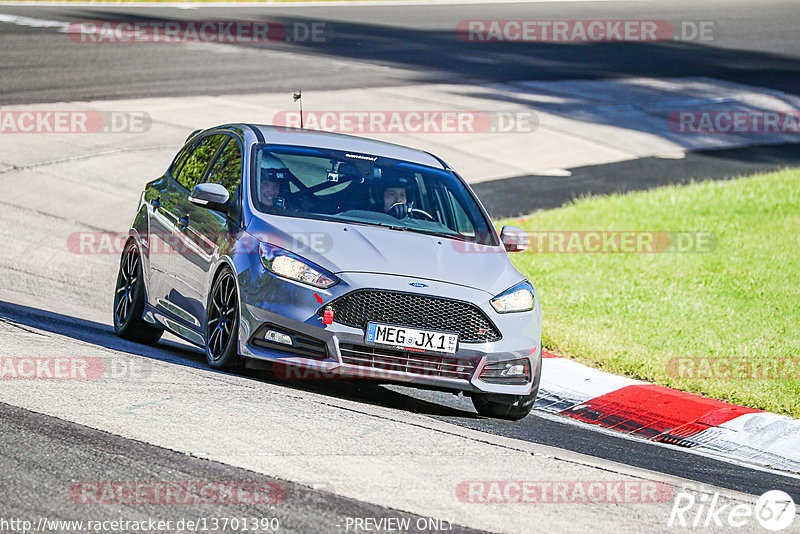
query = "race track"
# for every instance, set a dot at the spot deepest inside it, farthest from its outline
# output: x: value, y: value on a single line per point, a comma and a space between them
x: 332, y: 451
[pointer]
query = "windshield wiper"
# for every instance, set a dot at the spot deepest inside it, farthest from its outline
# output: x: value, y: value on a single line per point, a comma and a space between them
x: 455, y: 236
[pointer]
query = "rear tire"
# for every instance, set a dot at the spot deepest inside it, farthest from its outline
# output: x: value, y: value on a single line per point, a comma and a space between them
x: 129, y: 300
x: 511, y: 407
x: 222, y: 323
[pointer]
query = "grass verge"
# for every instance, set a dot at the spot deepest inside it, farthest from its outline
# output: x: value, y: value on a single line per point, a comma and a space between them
x: 723, y: 323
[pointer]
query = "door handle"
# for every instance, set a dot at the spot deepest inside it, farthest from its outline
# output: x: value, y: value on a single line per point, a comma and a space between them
x: 183, y: 223
x: 156, y: 203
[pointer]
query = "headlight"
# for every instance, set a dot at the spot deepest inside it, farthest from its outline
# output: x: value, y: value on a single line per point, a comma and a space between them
x: 291, y: 266
x: 516, y: 299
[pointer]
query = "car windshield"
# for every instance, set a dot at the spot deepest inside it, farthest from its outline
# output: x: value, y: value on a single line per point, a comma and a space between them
x: 365, y: 189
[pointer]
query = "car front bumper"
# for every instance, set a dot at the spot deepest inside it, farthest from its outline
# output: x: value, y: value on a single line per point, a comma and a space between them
x: 293, y: 308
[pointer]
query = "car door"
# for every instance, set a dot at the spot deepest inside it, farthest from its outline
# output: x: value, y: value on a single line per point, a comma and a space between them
x: 206, y: 233
x: 177, y: 210
x: 161, y: 198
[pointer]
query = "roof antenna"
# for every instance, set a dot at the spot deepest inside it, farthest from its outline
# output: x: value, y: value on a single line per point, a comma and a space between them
x: 298, y: 96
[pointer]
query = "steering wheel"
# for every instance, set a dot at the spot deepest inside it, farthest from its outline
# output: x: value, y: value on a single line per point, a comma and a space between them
x: 401, y: 210
x: 413, y: 212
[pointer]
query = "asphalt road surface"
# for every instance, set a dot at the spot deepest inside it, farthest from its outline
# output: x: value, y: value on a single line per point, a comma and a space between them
x: 751, y: 42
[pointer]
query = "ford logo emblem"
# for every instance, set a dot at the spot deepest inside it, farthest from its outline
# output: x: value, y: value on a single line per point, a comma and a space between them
x: 417, y: 284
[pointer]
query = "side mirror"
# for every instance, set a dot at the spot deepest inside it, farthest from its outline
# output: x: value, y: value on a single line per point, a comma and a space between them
x: 514, y: 239
x: 211, y: 196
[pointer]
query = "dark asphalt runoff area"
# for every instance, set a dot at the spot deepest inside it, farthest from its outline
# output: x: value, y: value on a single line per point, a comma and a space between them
x: 52, y: 469
x: 502, y: 198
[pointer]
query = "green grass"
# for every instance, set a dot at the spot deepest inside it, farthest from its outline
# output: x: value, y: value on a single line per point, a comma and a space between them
x: 633, y: 314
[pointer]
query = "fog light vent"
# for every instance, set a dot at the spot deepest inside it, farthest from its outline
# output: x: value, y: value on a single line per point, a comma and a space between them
x: 278, y: 337
x: 509, y: 372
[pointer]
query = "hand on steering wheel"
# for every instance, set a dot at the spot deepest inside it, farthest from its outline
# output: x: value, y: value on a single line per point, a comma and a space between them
x: 398, y: 210
x: 401, y: 210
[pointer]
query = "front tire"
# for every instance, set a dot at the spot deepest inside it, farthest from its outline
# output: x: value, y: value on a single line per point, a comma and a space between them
x: 511, y: 407
x: 222, y: 323
x: 129, y: 300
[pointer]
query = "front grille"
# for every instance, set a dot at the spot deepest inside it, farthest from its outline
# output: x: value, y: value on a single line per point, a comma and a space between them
x: 403, y: 362
x: 360, y: 307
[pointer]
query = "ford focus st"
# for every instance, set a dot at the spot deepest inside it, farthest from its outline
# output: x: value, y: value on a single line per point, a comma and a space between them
x: 331, y: 255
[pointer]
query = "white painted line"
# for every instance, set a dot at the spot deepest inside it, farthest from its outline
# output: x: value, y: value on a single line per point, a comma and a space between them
x: 34, y: 23
x: 552, y: 172
x: 671, y: 155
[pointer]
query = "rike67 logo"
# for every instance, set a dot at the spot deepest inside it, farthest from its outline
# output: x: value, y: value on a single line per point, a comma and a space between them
x: 773, y: 511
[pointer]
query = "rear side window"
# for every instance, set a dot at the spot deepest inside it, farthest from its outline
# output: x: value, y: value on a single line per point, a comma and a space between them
x: 180, y: 159
x: 194, y: 168
x: 227, y: 170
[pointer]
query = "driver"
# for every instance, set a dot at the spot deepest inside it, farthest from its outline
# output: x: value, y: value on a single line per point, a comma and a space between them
x: 395, y: 193
x: 273, y: 175
x: 270, y: 191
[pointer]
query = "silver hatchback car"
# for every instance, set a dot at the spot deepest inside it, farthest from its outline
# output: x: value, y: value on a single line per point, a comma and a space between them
x: 320, y: 255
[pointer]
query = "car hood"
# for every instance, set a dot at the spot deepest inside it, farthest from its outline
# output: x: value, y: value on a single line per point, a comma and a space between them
x: 346, y: 247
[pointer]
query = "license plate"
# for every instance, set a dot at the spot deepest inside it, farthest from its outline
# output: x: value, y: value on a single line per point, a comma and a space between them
x: 413, y: 339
